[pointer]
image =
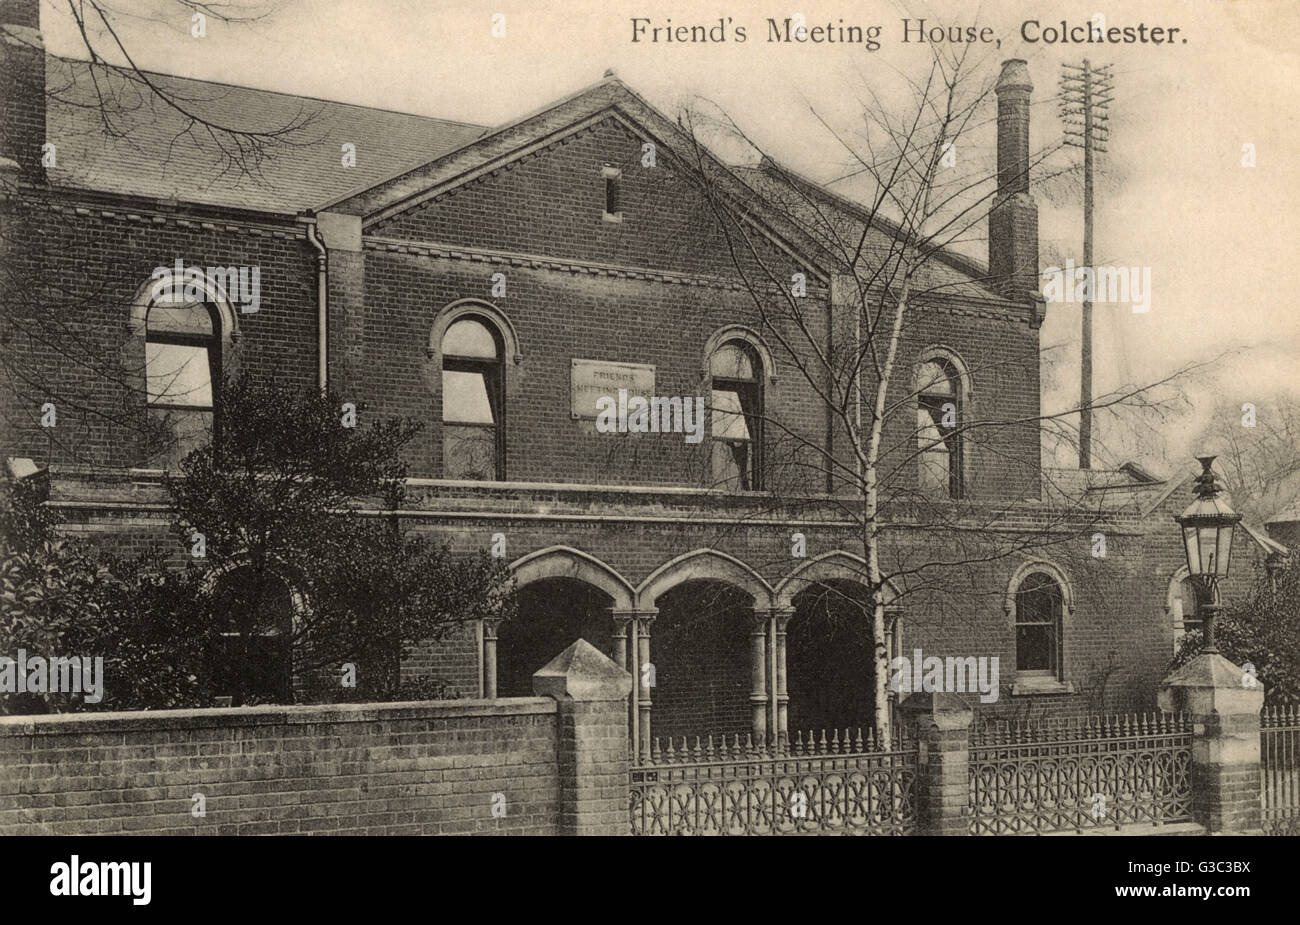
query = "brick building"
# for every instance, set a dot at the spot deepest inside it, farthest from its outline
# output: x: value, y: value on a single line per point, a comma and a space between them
x: 485, y: 280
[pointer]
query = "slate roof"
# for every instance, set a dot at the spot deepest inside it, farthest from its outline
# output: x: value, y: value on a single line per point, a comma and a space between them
x: 828, y: 213
x: 150, y: 149
x: 1119, y: 489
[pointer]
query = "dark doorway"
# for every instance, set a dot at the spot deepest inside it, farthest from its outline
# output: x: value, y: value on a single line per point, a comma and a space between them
x: 553, y: 614
x: 828, y: 659
x: 699, y: 646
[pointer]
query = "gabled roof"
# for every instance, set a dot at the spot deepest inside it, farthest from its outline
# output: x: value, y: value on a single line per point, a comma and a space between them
x: 832, y: 216
x: 1138, y: 473
x: 1264, y: 541
x: 149, y: 148
x: 609, y: 98
x: 1168, y: 488
x: 153, y: 150
x: 1118, y: 489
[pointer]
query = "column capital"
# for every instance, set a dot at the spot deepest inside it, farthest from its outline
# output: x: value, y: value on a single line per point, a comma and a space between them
x: 490, y: 627
x: 782, y: 616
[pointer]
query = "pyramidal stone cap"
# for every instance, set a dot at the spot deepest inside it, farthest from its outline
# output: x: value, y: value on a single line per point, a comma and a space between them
x: 582, y: 672
x: 1207, y: 670
x: 1210, y: 684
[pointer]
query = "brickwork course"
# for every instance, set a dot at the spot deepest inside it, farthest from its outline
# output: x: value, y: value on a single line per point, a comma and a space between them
x: 433, y: 210
x: 553, y: 764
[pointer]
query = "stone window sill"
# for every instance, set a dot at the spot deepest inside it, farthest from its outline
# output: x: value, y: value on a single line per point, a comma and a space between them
x: 1025, y: 687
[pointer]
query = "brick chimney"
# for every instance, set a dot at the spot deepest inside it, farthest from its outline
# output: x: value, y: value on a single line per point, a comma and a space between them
x: 1013, y: 221
x: 22, y: 102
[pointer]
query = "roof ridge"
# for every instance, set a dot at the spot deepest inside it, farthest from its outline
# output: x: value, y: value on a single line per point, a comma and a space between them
x: 977, y: 270
x: 281, y: 93
x: 489, y: 131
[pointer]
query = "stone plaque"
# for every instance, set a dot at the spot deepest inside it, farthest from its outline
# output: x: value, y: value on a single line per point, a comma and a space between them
x: 590, y: 379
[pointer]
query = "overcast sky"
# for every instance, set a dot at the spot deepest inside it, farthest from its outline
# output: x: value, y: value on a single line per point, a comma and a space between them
x: 1220, y: 238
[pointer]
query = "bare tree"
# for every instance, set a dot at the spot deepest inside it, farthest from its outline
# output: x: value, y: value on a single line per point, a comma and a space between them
x: 121, y: 87
x: 1258, y: 450
x: 895, y: 250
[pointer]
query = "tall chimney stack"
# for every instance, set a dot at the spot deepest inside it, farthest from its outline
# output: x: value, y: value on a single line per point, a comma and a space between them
x: 22, y: 100
x: 1013, y: 221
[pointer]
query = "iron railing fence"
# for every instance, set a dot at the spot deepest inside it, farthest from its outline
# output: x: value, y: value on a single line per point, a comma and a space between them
x: 838, y: 783
x: 1279, y: 769
x: 1071, y: 774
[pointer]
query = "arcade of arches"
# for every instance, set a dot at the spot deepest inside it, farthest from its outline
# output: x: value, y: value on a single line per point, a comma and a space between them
x: 716, y: 650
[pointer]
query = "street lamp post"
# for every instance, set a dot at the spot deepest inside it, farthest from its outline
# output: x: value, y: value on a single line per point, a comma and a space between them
x: 1207, y: 527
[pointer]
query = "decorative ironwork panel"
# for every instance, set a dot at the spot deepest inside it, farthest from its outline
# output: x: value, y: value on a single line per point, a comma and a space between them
x: 1068, y: 775
x: 835, y: 786
x: 1279, y: 769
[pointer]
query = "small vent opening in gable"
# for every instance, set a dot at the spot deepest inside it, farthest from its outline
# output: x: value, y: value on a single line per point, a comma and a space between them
x: 613, y: 211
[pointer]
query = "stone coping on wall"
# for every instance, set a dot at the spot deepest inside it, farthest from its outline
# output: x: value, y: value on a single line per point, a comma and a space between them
x: 139, y: 493
x: 238, y: 717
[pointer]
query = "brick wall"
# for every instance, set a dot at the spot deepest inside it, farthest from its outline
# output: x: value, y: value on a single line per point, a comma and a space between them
x: 1117, y: 643
x: 391, y: 769
x: 552, y: 202
x: 85, y: 262
x: 553, y: 764
x: 87, y: 256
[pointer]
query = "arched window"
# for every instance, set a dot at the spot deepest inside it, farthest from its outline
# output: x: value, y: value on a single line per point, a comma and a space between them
x: 938, y: 388
x: 253, y: 654
x: 182, y: 369
x: 1039, y: 604
x: 737, y: 403
x: 473, y: 400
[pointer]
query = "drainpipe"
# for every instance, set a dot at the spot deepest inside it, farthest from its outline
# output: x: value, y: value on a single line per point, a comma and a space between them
x: 322, y: 301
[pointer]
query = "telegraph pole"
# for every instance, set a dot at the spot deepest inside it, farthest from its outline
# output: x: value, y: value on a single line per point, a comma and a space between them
x: 1086, y: 94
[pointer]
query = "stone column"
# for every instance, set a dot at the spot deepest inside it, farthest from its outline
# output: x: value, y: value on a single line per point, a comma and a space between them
x: 1223, y: 703
x: 591, y: 695
x: 781, y: 618
x: 940, y: 723
x: 758, y: 675
x: 625, y: 655
x: 642, y: 681
x: 490, y: 658
x: 621, y: 620
x: 893, y: 646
